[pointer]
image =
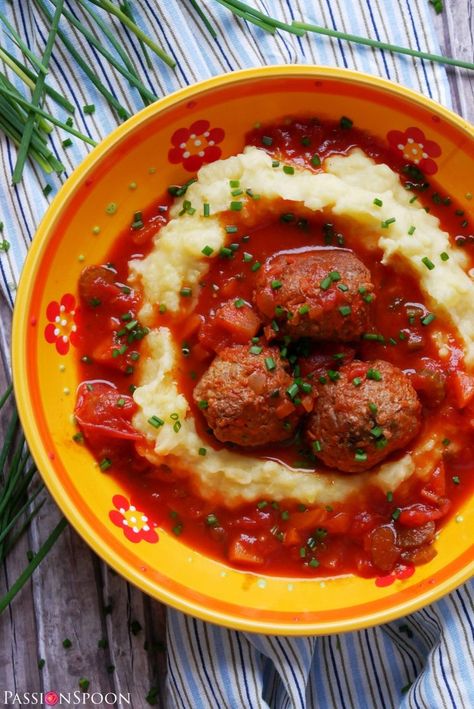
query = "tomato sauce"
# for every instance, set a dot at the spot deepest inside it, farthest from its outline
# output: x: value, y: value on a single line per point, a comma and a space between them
x: 369, y: 538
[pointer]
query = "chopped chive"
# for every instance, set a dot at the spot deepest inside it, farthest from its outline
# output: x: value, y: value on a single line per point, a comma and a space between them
x: 317, y: 446
x: 411, y: 230
x: 428, y: 263
x: 288, y: 217
x: 385, y: 224
x: 67, y: 143
x: 342, y: 287
x: 203, y: 404
x: 368, y: 298
x: 345, y: 123
x: 357, y: 381
x: 67, y: 643
x: 255, y: 349
x: 47, y: 189
x: 225, y: 252
x: 207, y: 250
x: 456, y: 479
x: 360, y: 456
x: 376, y: 431
x: 373, y: 336
x: 236, y: 206
x: 316, y: 160
x: 255, y: 266
x: 156, y: 422
x: 88, y: 109
x: 177, y: 529
x: 314, y: 563
x: 186, y: 292
x: 211, y: 520
x: 247, y: 257
x: 378, y: 202
x: 325, y: 283
x: 373, y: 408
x: 285, y: 515
x: 202, y: 451
x: 444, y: 256
x: 335, y: 276
x: 276, y: 284
x: 428, y: 319
x: 105, y: 464
x: 267, y: 140
x: 303, y: 309
x: 239, y: 303
x: 162, y: 309
x: 275, y: 163
x: 374, y: 374
x: 345, y: 310
x: 237, y: 192
x: 396, y: 513
x: 206, y: 209
x: 333, y: 375
x: 270, y: 364
x: 446, y: 441
x: 292, y: 390
x: 231, y: 229
x: 389, y: 496
x: 288, y: 169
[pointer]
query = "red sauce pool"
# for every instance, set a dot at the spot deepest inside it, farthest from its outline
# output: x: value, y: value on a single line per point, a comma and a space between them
x: 282, y: 538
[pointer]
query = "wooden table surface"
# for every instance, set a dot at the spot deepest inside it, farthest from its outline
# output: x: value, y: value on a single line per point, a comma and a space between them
x: 75, y: 595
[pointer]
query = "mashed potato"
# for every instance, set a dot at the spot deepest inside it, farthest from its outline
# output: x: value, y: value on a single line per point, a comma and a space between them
x: 346, y: 188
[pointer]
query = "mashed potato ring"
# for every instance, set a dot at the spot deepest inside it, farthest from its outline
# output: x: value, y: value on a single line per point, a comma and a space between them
x: 347, y: 188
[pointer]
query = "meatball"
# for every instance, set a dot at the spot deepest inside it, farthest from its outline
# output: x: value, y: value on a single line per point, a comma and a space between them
x: 243, y: 396
x: 369, y: 411
x: 323, y: 294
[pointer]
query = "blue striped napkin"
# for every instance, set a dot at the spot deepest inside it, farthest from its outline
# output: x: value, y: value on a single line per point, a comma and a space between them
x: 425, y: 661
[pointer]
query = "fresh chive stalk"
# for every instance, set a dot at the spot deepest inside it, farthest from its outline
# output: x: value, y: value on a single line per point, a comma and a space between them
x: 270, y: 24
x: 113, y: 10
x: 35, y: 99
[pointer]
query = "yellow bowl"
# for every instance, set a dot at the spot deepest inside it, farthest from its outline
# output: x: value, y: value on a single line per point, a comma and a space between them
x: 46, y: 377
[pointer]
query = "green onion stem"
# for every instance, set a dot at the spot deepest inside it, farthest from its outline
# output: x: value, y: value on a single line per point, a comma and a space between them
x: 245, y: 15
x: 204, y: 19
x: 384, y: 45
x: 13, y: 538
x: 24, y: 48
x: 112, y: 10
x: 132, y: 77
x: 42, y: 124
x: 50, y: 118
x: 4, y: 398
x: 110, y: 98
x: 29, y: 77
x: 15, y: 136
x: 34, y: 563
x: 127, y: 10
x: 5, y: 530
x: 300, y: 28
x: 35, y: 99
x: 118, y: 48
x: 250, y: 12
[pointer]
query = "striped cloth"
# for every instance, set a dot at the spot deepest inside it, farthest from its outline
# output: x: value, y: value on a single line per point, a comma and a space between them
x: 425, y: 661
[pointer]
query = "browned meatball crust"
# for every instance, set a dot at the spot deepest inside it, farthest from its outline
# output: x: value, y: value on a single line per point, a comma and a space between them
x: 323, y: 294
x: 370, y: 411
x: 243, y: 396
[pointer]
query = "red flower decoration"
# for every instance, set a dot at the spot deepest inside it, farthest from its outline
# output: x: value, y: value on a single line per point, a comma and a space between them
x: 195, y: 146
x: 62, y: 327
x: 402, y: 573
x: 135, y: 525
x: 416, y: 148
